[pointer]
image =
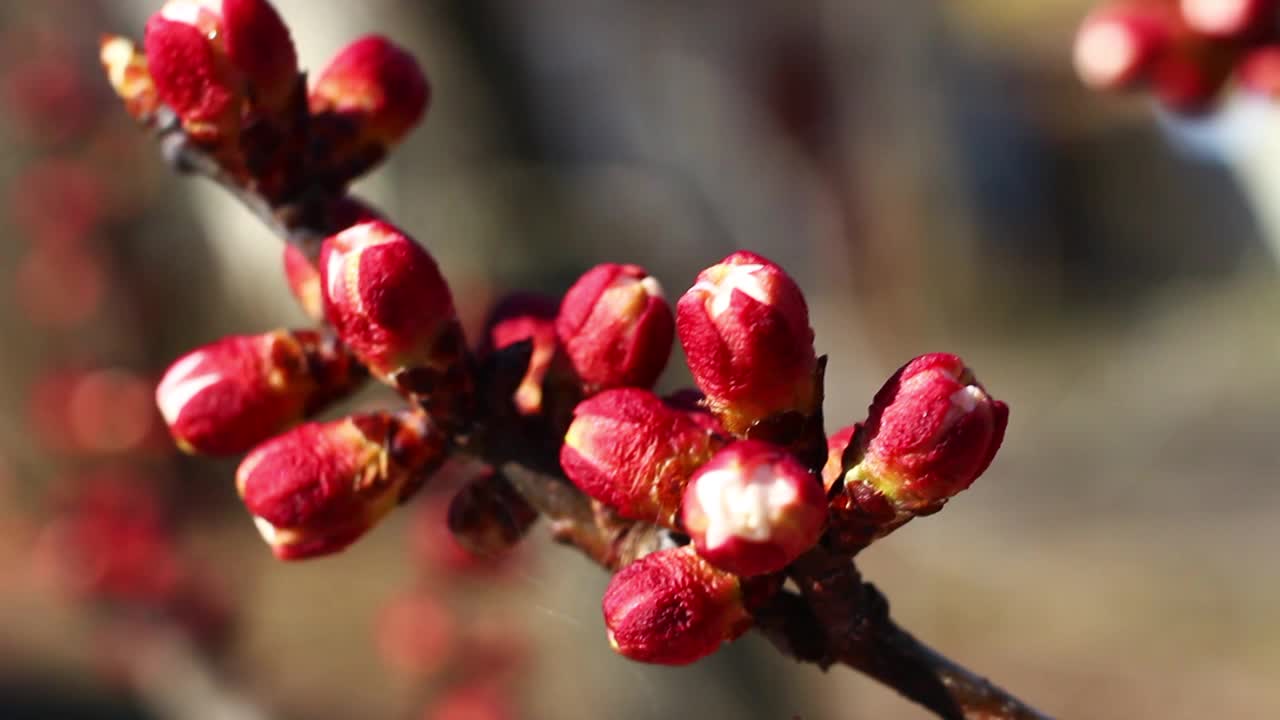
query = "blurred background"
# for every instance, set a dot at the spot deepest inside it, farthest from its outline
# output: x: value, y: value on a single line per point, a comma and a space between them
x: 933, y: 175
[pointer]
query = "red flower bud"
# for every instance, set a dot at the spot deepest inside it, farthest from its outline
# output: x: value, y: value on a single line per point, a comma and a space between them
x: 672, y: 607
x: 519, y: 317
x: 930, y: 432
x: 230, y: 395
x: 1117, y: 44
x: 385, y: 296
x: 1228, y: 19
x: 317, y: 488
x: 745, y: 328
x: 616, y: 327
x: 753, y: 508
x: 376, y: 86
x: 630, y: 451
x: 208, y: 58
x: 836, y: 445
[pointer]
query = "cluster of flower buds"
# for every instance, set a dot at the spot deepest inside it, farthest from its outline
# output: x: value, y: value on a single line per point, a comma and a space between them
x: 1186, y: 52
x: 228, y: 71
x: 728, y: 465
x: 732, y: 473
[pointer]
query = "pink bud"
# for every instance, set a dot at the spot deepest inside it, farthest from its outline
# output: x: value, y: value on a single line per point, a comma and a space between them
x: 317, y: 488
x: 753, y: 508
x: 745, y: 328
x: 208, y: 58
x: 519, y: 317
x: 230, y: 395
x: 630, y: 451
x: 930, y: 432
x: 378, y: 86
x: 616, y: 327
x: 1229, y: 19
x: 836, y: 445
x: 672, y: 607
x: 1117, y: 44
x: 386, y: 298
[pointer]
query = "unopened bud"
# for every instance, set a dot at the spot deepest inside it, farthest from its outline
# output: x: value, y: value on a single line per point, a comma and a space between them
x: 745, y: 328
x: 232, y: 394
x: 672, y: 607
x: 386, y: 298
x: 930, y: 432
x: 753, y: 508
x: 213, y: 59
x: 627, y: 449
x: 616, y: 327
x: 317, y: 488
x: 369, y: 96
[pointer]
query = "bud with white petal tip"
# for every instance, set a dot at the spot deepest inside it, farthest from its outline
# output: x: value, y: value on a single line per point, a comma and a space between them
x: 753, y: 508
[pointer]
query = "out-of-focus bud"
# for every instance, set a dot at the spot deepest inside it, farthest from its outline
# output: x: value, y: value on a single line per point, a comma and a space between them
x: 745, y: 328
x: 527, y: 316
x: 386, y: 298
x: 1259, y: 71
x: 488, y: 516
x: 317, y: 488
x: 627, y: 449
x: 616, y: 327
x: 232, y: 394
x: 753, y: 508
x: 1118, y: 43
x: 672, y: 607
x: 476, y: 700
x: 1229, y: 19
x: 415, y: 635
x: 105, y: 410
x: 213, y: 59
x: 126, y: 68
x: 1190, y: 81
x: 369, y: 96
x: 110, y: 540
x: 836, y: 445
x: 930, y: 432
